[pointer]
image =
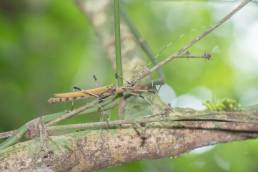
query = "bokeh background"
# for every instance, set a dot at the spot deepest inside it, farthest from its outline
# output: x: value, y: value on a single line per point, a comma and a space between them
x: 49, y: 46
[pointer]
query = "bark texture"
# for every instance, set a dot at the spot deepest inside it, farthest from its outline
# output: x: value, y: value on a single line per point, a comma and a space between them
x: 123, y: 142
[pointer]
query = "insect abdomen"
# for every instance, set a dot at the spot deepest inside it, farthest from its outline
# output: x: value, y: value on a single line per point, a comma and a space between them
x: 54, y: 100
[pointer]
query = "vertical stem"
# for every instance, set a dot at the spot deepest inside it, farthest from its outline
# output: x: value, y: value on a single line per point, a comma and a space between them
x: 119, y: 69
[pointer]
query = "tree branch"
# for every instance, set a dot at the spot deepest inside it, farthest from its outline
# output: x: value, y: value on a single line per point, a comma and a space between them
x: 127, y: 141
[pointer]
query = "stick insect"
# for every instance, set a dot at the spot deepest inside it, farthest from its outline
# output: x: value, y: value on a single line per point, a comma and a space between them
x: 102, y: 92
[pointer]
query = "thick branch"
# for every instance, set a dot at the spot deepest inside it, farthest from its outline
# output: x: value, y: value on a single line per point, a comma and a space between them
x: 94, y: 149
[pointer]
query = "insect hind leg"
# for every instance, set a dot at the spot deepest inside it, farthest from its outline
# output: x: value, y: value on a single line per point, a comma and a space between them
x: 104, y: 115
x: 139, y: 94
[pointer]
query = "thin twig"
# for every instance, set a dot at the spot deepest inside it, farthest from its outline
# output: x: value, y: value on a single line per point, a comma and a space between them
x: 140, y: 41
x: 88, y: 108
x: 72, y: 113
x: 192, y: 42
x: 192, y: 56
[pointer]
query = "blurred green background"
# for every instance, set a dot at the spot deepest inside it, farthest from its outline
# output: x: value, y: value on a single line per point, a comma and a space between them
x: 49, y: 46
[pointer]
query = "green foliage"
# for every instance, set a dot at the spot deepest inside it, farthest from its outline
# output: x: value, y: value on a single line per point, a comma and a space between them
x: 49, y: 46
x: 223, y: 105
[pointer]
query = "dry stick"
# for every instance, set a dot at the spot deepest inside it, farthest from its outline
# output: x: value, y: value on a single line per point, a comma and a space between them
x: 194, y: 41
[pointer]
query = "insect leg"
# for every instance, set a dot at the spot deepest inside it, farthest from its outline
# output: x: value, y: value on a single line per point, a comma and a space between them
x: 138, y: 93
x: 104, y: 116
x: 75, y: 88
x: 96, y: 80
x: 84, y: 91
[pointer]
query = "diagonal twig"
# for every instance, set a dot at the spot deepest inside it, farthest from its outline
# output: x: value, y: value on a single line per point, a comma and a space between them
x: 192, y: 42
x: 141, y: 41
